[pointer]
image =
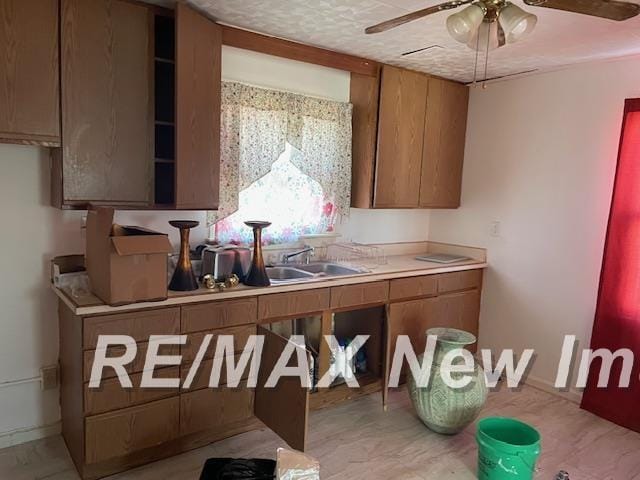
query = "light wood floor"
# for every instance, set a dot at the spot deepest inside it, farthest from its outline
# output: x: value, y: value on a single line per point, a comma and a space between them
x: 358, y: 441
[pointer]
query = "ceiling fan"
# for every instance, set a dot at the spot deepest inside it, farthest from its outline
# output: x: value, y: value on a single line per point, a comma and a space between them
x: 488, y: 24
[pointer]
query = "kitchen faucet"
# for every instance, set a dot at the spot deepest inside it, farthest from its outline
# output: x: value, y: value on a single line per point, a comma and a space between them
x: 308, y: 250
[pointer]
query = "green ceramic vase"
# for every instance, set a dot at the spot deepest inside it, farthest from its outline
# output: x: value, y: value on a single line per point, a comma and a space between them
x: 442, y: 408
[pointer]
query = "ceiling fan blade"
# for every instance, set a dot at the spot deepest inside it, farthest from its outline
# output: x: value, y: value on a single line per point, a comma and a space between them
x: 410, y: 17
x: 611, y: 9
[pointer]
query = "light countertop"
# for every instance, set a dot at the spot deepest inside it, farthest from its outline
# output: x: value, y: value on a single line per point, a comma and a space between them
x: 397, y: 266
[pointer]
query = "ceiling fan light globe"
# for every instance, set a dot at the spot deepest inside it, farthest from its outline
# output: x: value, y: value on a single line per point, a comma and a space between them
x: 516, y: 23
x: 464, y: 24
x: 485, y: 37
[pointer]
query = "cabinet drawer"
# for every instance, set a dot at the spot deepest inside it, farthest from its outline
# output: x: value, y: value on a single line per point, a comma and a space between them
x: 194, y: 340
x: 206, y: 316
x: 282, y: 305
x: 214, y: 408
x: 112, y: 396
x: 361, y: 294
x: 201, y: 380
x: 424, y: 286
x: 138, y: 325
x: 455, y: 281
x: 125, y: 431
x: 117, y: 351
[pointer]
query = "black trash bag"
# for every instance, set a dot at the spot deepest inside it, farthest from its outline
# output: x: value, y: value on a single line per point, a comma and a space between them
x: 238, y: 469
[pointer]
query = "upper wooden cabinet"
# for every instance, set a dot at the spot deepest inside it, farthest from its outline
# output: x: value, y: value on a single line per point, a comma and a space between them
x: 408, y: 140
x: 107, y: 108
x: 29, y: 72
x: 443, y: 149
x: 198, y: 83
x: 140, y: 107
x: 403, y: 100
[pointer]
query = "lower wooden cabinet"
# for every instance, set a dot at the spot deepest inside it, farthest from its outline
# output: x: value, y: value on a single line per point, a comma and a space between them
x: 240, y: 335
x: 360, y: 294
x: 111, y: 395
x: 111, y: 428
x: 413, y: 318
x: 214, y: 408
x: 202, y: 377
x: 460, y: 309
x: 122, y: 432
x: 282, y: 305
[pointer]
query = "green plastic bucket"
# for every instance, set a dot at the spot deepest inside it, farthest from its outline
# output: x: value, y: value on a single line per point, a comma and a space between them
x: 507, y: 449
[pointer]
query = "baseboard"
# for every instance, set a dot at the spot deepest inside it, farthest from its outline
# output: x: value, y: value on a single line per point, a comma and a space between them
x: 23, y: 435
x: 571, y: 395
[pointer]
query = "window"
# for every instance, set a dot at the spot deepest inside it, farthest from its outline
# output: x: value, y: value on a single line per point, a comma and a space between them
x: 293, y: 202
x: 285, y: 158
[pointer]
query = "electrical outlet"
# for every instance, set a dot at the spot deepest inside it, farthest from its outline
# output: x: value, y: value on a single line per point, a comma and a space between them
x: 49, y: 377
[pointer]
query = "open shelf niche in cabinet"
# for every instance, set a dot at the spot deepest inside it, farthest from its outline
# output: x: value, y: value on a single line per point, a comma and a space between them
x: 164, y: 117
x: 367, y: 366
x: 346, y: 326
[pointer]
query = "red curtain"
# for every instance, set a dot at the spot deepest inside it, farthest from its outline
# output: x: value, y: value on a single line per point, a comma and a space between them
x: 617, y: 319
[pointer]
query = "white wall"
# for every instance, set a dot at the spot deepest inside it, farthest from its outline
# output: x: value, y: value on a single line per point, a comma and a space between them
x: 33, y: 232
x: 540, y: 159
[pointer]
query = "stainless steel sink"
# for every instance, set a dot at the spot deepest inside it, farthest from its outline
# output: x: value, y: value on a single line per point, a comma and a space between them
x: 293, y: 273
x: 329, y: 269
x: 287, y: 274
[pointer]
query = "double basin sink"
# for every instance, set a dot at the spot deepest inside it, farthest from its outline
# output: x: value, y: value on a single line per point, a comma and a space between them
x: 294, y: 273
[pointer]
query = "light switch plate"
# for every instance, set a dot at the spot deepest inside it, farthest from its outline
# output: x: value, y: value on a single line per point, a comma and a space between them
x: 494, y: 229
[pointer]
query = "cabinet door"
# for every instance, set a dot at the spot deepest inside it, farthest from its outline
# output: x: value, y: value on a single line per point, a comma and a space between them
x: 29, y: 72
x: 403, y: 98
x: 364, y: 96
x: 106, y: 102
x: 455, y: 310
x: 444, y: 137
x: 459, y: 310
x: 198, y: 83
x: 413, y: 319
x: 284, y: 408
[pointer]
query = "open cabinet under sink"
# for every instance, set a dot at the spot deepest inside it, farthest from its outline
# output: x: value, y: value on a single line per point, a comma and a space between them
x: 285, y: 407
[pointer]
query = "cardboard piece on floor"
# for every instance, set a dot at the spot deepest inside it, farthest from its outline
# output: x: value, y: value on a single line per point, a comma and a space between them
x: 294, y: 465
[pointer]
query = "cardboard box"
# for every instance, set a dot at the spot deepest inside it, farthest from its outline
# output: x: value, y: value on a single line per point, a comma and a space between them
x: 65, y: 267
x: 125, y: 264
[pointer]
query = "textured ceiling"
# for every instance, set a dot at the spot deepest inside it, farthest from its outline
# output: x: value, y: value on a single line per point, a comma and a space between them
x: 559, y: 39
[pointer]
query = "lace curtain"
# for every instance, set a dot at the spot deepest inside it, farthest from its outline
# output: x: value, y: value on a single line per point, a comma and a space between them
x: 257, y: 124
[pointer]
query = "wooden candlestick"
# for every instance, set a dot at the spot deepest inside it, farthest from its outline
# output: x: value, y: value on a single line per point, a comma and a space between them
x: 257, y: 276
x: 183, y: 279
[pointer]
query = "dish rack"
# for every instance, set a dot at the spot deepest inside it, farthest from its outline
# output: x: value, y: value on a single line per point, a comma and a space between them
x: 356, y: 254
